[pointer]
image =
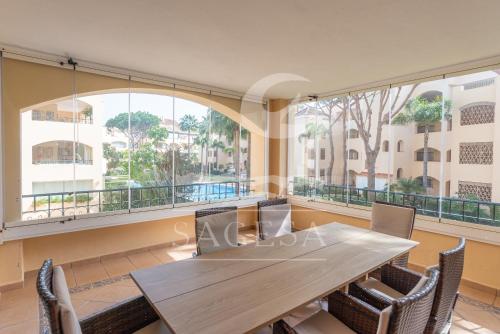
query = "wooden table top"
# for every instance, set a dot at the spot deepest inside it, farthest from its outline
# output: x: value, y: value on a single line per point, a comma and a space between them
x: 242, y: 289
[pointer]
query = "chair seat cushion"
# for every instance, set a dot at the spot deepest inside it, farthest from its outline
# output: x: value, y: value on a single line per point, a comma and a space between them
x: 157, y: 327
x: 275, y: 220
x: 322, y: 322
x: 380, y: 288
x: 67, y: 314
x: 302, y: 313
x: 386, y: 291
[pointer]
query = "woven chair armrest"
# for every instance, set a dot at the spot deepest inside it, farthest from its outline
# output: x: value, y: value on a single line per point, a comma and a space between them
x: 125, y: 317
x: 354, y: 313
x: 369, y: 297
x: 399, y: 278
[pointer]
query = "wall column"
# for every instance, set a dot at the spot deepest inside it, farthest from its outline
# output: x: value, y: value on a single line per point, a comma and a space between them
x: 278, y: 133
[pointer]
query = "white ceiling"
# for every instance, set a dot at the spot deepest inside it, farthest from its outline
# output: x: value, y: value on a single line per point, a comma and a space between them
x: 233, y: 44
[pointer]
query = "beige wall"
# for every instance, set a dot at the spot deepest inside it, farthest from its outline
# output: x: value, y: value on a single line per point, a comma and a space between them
x: 481, y: 260
x: 277, y: 146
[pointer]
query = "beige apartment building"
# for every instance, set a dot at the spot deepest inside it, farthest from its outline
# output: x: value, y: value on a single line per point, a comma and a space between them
x: 463, y: 152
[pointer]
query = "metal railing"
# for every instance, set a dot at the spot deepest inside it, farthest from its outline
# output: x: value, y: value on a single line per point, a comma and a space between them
x: 63, y: 162
x: 64, y: 204
x: 472, y: 211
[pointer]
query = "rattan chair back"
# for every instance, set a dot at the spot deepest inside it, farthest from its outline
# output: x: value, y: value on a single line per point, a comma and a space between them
x: 261, y: 204
x: 451, y: 265
x: 410, y: 314
x: 208, y: 212
x: 48, y: 308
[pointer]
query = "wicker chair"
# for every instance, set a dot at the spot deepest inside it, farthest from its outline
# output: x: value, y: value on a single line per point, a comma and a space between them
x: 396, y: 220
x: 199, y: 228
x: 261, y: 224
x: 451, y: 264
x: 126, y: 317
x: 406, y: 315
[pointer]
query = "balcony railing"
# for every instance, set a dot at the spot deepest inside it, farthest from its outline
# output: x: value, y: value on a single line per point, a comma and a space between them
x: 63, y: 119
x: 63, y: 162
x: 64, y: 204
x: 472, y: 211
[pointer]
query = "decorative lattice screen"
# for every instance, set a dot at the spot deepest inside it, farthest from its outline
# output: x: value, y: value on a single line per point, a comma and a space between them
x: 478, y: 113
x: 482, y: 191
x: 476, y: 153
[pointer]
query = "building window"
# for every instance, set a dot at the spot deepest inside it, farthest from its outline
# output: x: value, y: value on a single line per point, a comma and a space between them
x: 476, y: 153
x: 311, y: 153
x: 432, y: 155
x: 353, y: 133
x: 322, y: 154
x: 311, y: 172
x: 400, y: 146
x: 385, y: 146
x: 448, y: 156
x: 399, y: 173
x: 474, y: 190
x: 477, y: 113
x: 353, y: 155
x: 479, y: 83
x: 322, y: 172
x: 449, y: 124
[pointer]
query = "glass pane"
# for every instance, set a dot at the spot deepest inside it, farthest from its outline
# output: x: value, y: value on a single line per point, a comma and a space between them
x: 471, y: 191
x: 302, y: 148
x: 252, y: 148
x: 47, y: 137
x: 191, y: 141
x: 151, y: 141
x: 417, y: 138
x: 332, y: 148
x: 369, y: 146
x: 223, y: 155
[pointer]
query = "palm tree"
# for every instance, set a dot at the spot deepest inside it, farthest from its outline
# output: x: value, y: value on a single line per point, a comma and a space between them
x: 189, y: 123
x: 202, y: 140
x: 217, y: 144
x: 312, y: 131
x: 425, y: 113
x: 230, y: 129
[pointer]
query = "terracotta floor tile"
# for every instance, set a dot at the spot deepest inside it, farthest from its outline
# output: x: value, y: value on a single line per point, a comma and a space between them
x: 89, y: 272
x: 143, y: 260
x: 117, y: 266
x: 162, y: 254
x: 477, y: 316
x: 476, y: 294
x: 31, y: 326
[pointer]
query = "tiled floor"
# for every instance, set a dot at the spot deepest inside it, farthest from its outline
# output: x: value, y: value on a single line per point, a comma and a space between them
x: 96, y: 285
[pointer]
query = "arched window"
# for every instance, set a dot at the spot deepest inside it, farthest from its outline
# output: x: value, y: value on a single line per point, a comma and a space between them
x: 399, y: 173
x: 353, y: 155
x: 432, y: 154
x: 385, y: 146
x: 353, y: 133
x: 400, y: 146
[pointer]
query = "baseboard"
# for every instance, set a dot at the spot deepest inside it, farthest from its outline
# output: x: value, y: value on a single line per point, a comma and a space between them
x: 11, y: 286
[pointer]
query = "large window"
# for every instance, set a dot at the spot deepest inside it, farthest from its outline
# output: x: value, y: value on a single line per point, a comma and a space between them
x: 136, y: 147
x: 398, y: 147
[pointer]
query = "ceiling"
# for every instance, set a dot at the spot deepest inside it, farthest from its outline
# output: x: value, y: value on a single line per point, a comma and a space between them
x: 287, y: 47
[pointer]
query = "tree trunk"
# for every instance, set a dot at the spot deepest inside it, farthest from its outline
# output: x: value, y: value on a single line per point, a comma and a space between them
x: 426, y: 158
x: 371, y: 158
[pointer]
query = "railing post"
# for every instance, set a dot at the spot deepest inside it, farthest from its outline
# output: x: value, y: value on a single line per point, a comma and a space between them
x: 48, y: 213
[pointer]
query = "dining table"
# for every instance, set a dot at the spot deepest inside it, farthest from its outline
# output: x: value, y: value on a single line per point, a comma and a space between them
x: 242, y: 289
